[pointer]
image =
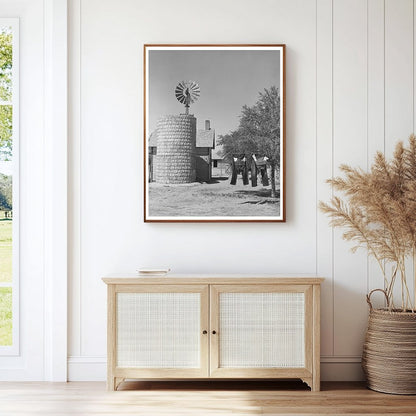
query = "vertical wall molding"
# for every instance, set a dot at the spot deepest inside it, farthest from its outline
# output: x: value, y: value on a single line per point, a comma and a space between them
x: 375, y: 104
x: 55, y: 176
x: 74, y: 183
x: 399, y: 84
x: 414, y: 117
x: 350, y: 147
x: 414, y: 67
x: 324, y: 169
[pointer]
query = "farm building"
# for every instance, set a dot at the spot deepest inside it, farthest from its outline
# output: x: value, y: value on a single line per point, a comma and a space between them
x: 202, y: 155
x: 219, y: 165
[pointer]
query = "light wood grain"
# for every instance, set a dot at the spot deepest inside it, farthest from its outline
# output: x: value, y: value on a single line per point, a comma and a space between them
x: 111, y: 337
x: 172, y: 279
x: 309, y: 328
x: 316, y: 342
x: 257, y: 287
x: 204, y: 342
x: 198, y: 398
x: 214, y: 357
x: 152, y: 287
x: 209, y: 318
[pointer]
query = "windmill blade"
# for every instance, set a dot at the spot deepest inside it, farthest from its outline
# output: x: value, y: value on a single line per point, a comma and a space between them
x: 180, y: 96
x: 187, y: 92
x: 194, y: 86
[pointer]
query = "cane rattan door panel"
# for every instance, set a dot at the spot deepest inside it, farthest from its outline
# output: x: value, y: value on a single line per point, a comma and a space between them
x: 158, y: 330
x: 260, y: 329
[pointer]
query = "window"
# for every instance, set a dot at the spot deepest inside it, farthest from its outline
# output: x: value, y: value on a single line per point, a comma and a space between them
x: 9, y: 94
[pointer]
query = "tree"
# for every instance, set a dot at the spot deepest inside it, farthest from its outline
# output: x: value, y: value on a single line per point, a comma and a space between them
x: 6, y: 61
x: 6, y: 130
x: 258, y: 132
x: 6, y: 196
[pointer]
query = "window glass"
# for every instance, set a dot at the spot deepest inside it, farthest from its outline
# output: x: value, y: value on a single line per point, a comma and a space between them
x: 6, y: 185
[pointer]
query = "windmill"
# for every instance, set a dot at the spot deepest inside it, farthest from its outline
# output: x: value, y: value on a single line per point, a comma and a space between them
x: 187, y: 92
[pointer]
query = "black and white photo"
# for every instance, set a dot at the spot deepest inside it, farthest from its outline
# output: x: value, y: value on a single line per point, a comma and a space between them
x: 214, y: 133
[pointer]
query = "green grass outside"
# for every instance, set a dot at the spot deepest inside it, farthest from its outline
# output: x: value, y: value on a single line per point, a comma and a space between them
x: 5, y: 250
x: 6, y: 316
x: 5, y: 277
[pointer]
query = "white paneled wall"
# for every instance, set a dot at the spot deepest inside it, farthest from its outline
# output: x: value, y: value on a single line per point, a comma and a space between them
x: 375, y: 97
x: 350, y: 91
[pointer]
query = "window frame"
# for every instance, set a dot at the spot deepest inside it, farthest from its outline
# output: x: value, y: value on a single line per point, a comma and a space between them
x: 14, y: 349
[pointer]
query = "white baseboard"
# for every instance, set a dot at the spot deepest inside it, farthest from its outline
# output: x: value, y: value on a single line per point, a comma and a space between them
x: 84, y: 368
x: 332, y: 368
x: 341, y: 368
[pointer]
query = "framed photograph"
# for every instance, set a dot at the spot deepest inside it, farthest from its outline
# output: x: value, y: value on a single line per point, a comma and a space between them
x: 214, y: 133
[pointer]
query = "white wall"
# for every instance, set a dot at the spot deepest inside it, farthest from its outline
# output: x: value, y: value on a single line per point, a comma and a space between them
x: 350, y: 91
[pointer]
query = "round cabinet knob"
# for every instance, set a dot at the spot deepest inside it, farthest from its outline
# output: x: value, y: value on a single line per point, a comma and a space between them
x: 214, y: 332
x: 205, y: 332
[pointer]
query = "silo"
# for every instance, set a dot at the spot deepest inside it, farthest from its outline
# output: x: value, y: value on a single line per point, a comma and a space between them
x: 175, y: 159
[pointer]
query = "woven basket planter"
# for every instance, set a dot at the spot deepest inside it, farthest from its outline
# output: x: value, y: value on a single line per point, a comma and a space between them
x: 389, y: 354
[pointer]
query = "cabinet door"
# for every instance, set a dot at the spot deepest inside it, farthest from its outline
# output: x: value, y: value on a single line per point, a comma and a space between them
x: 261, y: 331
x: 161, y: 331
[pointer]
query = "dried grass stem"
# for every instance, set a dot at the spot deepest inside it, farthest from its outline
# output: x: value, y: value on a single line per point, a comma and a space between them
x: 379, y: 213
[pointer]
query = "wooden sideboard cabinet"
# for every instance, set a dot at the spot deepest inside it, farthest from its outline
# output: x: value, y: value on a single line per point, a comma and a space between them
x: 187, y: 327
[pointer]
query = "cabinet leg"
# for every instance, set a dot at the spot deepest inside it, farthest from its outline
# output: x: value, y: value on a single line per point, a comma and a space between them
x: 308, y: 381
x: 117, y: 382
x: 316, y: 384
x: 313, y: 383
x: 111, y: 383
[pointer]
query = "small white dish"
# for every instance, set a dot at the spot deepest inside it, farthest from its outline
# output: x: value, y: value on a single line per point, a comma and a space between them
x: 153, y: 272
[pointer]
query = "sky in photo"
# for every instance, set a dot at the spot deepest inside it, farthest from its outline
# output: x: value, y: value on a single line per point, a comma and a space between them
x: 228, y: 80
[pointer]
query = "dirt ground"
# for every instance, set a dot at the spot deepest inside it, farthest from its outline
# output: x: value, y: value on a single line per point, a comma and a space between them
x: 217, y: 198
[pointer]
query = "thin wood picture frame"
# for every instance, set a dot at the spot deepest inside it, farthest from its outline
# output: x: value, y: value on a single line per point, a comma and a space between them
x: 214, y: 133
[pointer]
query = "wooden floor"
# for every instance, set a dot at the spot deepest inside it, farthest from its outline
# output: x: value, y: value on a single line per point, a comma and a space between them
x: 198, y: 398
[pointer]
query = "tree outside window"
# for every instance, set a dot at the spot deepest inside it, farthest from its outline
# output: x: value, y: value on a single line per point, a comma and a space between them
x: 6, y: 202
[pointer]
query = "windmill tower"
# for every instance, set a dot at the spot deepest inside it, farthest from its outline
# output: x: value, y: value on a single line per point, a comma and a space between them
x: 176, y: 140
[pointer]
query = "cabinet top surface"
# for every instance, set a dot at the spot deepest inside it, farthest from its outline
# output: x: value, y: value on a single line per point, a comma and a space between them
x: 172, y: 278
